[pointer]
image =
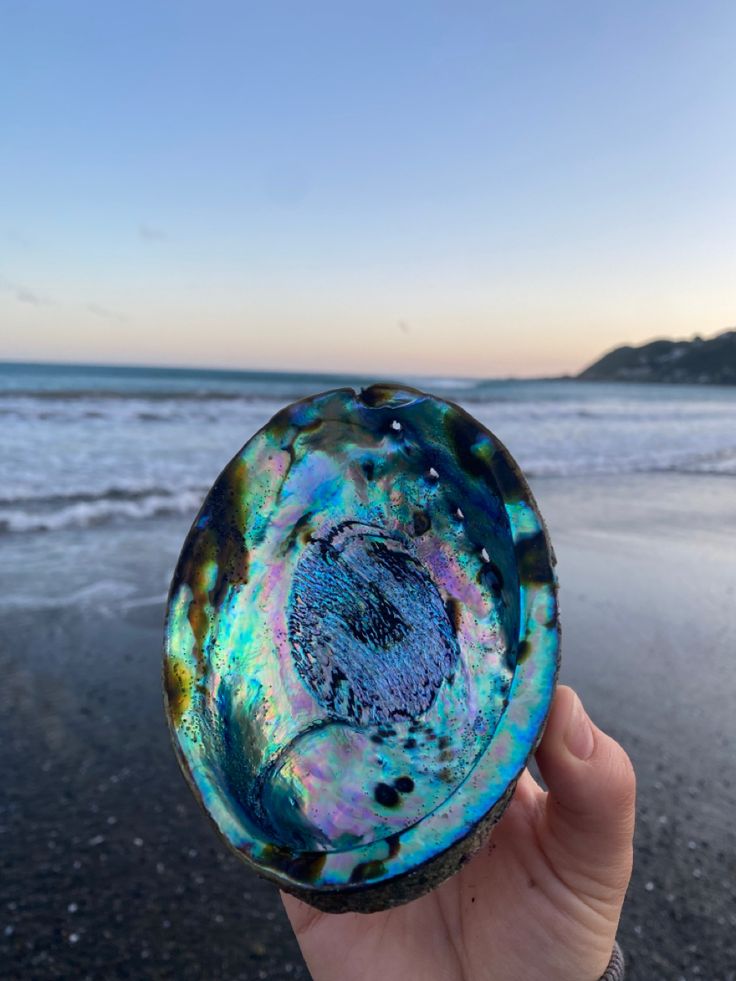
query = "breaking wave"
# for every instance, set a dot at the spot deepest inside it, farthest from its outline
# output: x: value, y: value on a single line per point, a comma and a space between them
x: 55, y: 512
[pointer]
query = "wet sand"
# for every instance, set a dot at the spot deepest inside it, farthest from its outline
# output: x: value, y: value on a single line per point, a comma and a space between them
x: 109, y: 870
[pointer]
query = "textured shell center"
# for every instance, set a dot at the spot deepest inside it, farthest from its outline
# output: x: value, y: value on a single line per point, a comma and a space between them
x: 369, y: 632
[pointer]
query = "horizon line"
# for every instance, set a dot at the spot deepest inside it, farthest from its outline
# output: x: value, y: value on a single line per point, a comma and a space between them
x: 348, y: 374
x: 351, y: 373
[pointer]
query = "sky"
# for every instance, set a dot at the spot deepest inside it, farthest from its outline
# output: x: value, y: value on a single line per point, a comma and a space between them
x: 467, y: 188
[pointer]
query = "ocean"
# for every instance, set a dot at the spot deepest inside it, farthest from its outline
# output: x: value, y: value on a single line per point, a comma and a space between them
x: 89, y: 446
x: 129, y: 453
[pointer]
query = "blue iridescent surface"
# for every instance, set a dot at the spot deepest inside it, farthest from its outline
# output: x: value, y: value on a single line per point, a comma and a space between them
x: 362, y: 637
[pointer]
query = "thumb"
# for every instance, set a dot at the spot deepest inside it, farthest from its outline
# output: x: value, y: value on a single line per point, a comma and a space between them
x: 588, y: 827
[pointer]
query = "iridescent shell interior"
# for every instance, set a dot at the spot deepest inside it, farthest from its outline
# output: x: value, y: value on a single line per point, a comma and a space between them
x: 362, y: 638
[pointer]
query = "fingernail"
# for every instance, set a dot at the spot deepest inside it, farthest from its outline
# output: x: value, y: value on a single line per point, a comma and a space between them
x: 579, y: 734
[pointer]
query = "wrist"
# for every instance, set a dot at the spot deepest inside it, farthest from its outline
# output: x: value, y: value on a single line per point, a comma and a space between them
x: 615, y: 969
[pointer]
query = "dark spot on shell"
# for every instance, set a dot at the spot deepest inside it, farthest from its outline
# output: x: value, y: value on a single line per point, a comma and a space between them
x: 443, y: 742
x: 508, y: 477
x: 410, y: 743
x: 386, y: 795
x: 289, y: 448
x: 306, y: 866
x: 176, y: 684
x: 462, y: 433
x: 301, y: 532
x: 525, y: 649
x: 307, y: 427
x: 376, y: 395
x: 404, y: 785
x: 394, y: 845
x: 369, y: 469
x: 532, y: 558
x: 283, y: 419
x: 375, y: 738
x: 367, y: 870
x: 454, y: 612
x: 491, y: 577
x: 445, y: 774
x: 220, y: 540
x: 422, y: 523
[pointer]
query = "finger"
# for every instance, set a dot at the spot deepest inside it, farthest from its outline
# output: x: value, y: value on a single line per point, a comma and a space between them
x: 588, y: 824
x: 527, y: 787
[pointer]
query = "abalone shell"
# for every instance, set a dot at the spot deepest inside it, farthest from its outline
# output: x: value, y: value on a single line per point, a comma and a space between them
x: 361, y: 644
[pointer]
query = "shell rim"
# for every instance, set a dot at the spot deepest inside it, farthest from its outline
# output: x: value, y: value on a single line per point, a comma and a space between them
x: 415, y: 878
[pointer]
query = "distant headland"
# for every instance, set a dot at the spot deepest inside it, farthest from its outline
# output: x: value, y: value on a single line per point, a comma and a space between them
x: 698, y: 361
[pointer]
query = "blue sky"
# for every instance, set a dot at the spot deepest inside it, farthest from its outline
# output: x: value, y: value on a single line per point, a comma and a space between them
x: 471, y: 188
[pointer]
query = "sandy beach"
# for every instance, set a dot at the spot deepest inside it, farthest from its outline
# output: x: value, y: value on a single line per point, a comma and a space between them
x: 647, y: 567
x: 109, y: 870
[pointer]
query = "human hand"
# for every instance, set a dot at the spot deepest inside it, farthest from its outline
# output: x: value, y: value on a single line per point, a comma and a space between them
x: 540, y: 901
